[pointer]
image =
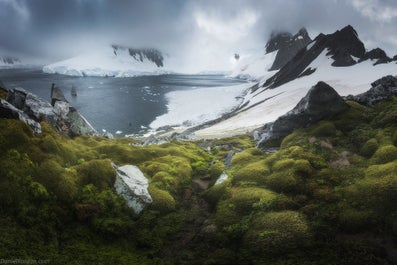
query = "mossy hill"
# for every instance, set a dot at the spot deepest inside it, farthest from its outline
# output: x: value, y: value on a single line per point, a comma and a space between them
x: 328, y: 196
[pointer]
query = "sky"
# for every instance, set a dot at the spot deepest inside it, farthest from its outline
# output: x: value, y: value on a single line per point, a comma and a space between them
x: 201, y: 31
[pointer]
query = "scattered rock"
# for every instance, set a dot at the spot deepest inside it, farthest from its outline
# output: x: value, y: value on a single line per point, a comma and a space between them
x: 381, y: 89
x: 132, y: 185
x: 322, y: 101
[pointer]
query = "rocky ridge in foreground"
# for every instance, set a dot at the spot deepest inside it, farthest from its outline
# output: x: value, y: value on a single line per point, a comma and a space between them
x: 32, y: 109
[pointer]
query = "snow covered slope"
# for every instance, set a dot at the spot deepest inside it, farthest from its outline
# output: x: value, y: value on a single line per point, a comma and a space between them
x: 112, y: 60
x: 273, y: 97
x: 195, y: 106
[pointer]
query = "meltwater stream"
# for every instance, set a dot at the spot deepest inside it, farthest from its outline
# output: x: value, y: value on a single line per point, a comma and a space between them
x: 124, y: 105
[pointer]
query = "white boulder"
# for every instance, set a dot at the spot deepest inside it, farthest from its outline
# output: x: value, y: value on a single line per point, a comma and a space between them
x: 133, y: 186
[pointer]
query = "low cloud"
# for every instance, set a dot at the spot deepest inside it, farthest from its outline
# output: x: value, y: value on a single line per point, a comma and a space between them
x: 203, y: 30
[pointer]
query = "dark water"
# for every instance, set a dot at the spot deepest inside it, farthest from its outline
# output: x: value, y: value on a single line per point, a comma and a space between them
x: 114, y: 104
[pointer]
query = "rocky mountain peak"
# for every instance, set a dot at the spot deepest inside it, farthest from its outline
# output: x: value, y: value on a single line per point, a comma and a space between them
x: 342, y: 45
x: 287, y: 45
x: 278, y: 40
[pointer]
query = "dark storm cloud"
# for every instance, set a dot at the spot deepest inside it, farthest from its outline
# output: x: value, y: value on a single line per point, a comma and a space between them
x: 60, y: 28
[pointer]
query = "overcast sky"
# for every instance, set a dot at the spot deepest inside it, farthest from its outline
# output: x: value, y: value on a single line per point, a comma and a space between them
x: 58, y: 29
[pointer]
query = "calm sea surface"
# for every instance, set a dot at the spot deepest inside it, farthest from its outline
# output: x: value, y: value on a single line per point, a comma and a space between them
x: 113, y: 104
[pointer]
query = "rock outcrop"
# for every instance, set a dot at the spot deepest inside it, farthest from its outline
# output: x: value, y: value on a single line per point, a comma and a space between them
x: 322, y: 101
x: 376, y: 54
x: 150, y: 54
x: 288, y: 46
x: 380, y: 89
x: 60, y: 115
x: 132, y: 185
x: 8, y: 111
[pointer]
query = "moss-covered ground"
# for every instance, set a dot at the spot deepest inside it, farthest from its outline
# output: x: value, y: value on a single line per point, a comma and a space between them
x: 327, y: 196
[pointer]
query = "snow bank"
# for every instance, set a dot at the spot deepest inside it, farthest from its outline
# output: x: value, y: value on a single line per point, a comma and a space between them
x: 353, y: 80
x: 195, y: 106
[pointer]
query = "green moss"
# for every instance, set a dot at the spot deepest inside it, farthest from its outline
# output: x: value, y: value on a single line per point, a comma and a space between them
x: 377, y: 171
x: 244, y: 199
x: 384, y: 154
x: 355, y: 220
x: 162, y: 200
x: 369, y: 147
x: 283, y: 164
x: 247, y: 156
x: 284, y: 181
x: 100, y: 173
x: 217, y: 192
x: 324, y: 129
x: 277, y: 233
x: 302, y: 167
x: 253, y: 172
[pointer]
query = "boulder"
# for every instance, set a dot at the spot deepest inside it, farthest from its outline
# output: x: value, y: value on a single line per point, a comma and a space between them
x: 380, y: 89
x: 132, y: 185
x: 8, y: 111
x: 321, y: 102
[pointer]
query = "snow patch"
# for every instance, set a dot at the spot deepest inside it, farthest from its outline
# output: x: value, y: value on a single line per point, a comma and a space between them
x: 195, y: 106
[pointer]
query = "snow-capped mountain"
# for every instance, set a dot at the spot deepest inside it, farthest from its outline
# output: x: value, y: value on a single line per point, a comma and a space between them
x: 113, y: 60
x: 339, y: 59
x: 280, y: 49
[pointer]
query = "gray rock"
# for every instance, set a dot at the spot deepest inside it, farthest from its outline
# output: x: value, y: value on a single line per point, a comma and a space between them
x: 222, y: 178
x: 62, y: 109
x: 78, y: 124
x: 381, y: 89
x: 132, y: 185
x: 40, y: 109
x: 61, y: 116
x: 56, y: 94
x: 8, y: 111
x: 33, y: 106
x: 229, y: 157
x: 321, y: 102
